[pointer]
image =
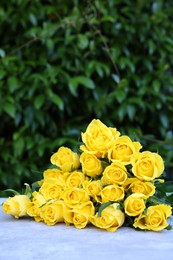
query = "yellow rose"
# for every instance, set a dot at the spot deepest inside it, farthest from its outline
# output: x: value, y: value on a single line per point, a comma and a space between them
x: 75, y: 179
x: 52, y: 173
x: 147, y: 165
x: 123, y: 149
x: 98, y: 138
x: 137, y: 186
x: 53, y: 212
x: 52, y: 189
x: 75, y: 196
x: 115, y: 173
x: 34, y: 212
x: 93, y: 188
x: 91, y: 165
x: 155, y: 218
x: 65, y: 159
x: 79, y: 216
x: 37, y: 201
x: 112, y: 193
x: 17, y: 206
x: 134, y: 204
x: 111, y: 218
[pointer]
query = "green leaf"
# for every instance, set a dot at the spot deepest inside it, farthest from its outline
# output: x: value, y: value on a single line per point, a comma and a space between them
x: 80, y: 80
x: 35, y: 186
x: 33, y: 19
x: 102, y: 207
x: 48, y: 29
x: 170, y: 199
x: 152, y: 46
x: 123, y: 84
x: 2, y: 73
x: 13, y: 84
x: 131, y: 111
x: 28, y: 191
x: 116, y: 78
x: 39, y: 101
x: 156, y: 85
x: 86, y: 82
x: 2, y: 53
x: 120, y: 95
x: 101, y: 68
x: 10, y: 109
x: 167, y: 186
x: 56, y: 99
x: 169, y: 227
x: 83, y: 41
x: 164, y: 120
x: 14, y: 192
x: 107, y: 19
x: 122, y: 112
x: 19, y: 146
x: 19, y: 133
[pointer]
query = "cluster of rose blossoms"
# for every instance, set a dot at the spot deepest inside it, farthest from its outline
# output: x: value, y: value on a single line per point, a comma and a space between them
x: 109, y: 184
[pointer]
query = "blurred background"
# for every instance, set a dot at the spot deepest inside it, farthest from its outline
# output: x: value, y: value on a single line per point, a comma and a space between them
x: 64, y: 63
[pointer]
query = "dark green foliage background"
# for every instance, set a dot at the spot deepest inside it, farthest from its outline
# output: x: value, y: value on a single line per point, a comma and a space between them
x: 63, y: 63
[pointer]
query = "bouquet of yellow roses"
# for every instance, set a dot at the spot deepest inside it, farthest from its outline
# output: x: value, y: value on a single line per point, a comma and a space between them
x: 109, y: 184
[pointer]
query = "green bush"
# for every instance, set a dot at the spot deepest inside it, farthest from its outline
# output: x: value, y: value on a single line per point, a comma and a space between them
x: 64, y: 63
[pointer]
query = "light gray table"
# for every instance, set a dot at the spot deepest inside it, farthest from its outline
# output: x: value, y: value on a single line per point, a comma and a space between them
x: 25, y: 239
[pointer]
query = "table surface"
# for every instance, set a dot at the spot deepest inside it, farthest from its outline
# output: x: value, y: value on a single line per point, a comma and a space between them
x: 26, y: 239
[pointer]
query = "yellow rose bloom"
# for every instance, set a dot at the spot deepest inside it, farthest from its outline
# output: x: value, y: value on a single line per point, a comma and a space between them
x: 75, y: 179
x: 137, y: 186
x: 38, y: 200
x: 93, y: 188
x: 74, y: 196
x: 111, y: 218
x: 17, y: 206
x: 79, y: 216
x: 134, y: 204
x: 34, y: 212
x: 147, y: 165
x: 53, y: 212
x: 123, y: 149
x: 52, y: 173
x: 91, y: 165
x: 115, y: 173
x: 112, y: 193
x: 65, y: 159
x: 52, y: 189
x: 98, y: 138
x: 155, y: 218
